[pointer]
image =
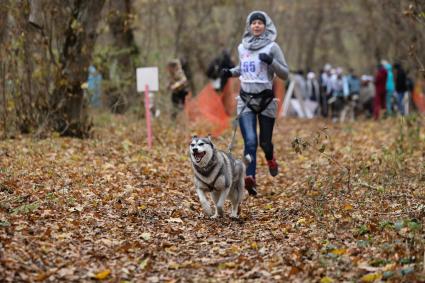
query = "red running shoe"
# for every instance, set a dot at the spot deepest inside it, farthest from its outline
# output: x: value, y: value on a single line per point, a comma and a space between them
x: 273, y: 167
x: 250, y: 185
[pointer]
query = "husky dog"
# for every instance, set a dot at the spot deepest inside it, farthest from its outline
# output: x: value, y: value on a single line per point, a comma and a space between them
x: 219, y: 173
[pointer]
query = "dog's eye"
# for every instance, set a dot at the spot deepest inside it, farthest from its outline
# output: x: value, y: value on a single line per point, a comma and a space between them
x: 201, y: 144
x: 192, y: 144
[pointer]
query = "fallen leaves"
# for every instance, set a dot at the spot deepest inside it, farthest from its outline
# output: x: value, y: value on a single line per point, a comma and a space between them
x: 144, y: 263
x: 108, y: 209
x: 338, y: 251
x: 146, y: 236
x: 102, y: 275
x: 254, y: 245
x: 371, y: 277
x: 175, y: 220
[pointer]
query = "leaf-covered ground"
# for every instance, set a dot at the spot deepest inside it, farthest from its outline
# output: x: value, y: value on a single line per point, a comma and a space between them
x: 347, y: 206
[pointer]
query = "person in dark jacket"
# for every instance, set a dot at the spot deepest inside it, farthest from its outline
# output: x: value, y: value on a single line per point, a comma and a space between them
x: 400, y: 86
x: 222, y: 61
x: 380, y: 90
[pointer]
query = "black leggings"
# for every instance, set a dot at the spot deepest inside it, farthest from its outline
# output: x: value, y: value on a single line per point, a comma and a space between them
x: 266, y: 132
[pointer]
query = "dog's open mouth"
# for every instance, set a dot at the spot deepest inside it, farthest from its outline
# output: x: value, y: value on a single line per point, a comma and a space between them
x: 198, y: 156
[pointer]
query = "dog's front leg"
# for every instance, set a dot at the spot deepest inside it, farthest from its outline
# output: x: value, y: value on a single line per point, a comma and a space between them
x: 219, y: 199
x: 204, y: 201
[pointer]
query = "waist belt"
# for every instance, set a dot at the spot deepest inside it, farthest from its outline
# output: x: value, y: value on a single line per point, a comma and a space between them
x: 257, y: 102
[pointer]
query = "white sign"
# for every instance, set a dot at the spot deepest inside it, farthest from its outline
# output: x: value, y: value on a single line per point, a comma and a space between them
x: 147, y: 76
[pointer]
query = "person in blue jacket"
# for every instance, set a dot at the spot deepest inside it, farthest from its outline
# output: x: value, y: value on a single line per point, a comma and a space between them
x: 389, y: 87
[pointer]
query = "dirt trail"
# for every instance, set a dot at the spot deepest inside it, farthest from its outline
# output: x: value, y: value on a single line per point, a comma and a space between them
x: 349, y: 207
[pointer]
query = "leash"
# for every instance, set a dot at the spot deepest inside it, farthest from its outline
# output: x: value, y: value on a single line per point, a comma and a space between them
x: 235, y: 123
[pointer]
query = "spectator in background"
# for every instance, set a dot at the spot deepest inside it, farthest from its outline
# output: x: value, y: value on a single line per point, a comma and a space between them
x: 389, y: 87
x: 400, y: 86
x: 380, y: 90
x: 353, y: 84
x: 367, y: 94
x: 313, y: 88
x: 300, y: 93
x: 313, y: 91
x: 351, y: 95
x: 94, y: 87
x: 337, y: 91
x: 222, y: 61
x: 325, y: 89
x: 178, y: 85
x: 301, y: 86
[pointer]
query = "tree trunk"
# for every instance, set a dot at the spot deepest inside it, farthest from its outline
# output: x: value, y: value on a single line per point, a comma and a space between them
x: 3, y: 26
x: 3, y: 95
x: 122, y: 31
x: 36, y: 13
x: 68, y: 106
x: 3, y: 18
x: 314, y: 35
x: 180, y: 17
x: 119, y: 21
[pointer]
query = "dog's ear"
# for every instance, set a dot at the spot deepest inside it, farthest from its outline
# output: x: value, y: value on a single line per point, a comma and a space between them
x: 210, y: 140
x: 193, y: 137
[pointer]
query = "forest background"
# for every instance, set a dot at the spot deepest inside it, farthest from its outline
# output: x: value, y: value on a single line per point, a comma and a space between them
x: 47, y: 46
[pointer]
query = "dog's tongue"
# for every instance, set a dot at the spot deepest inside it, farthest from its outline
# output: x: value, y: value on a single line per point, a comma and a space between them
x: 198, y: 156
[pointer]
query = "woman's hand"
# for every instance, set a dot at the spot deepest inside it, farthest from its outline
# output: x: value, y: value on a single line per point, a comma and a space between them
x: 266, y: 58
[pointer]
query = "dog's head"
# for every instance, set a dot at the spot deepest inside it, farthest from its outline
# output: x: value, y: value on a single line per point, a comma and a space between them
x: 201, y: 150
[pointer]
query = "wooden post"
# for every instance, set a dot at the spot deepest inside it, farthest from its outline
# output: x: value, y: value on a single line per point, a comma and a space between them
x: 148, y: 117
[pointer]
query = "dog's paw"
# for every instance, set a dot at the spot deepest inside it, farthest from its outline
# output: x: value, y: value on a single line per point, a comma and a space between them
x: 208, y: 211
x: 215, y: 216
x: 234, y: 216
x: 205, y: 215
x: 219, y: 212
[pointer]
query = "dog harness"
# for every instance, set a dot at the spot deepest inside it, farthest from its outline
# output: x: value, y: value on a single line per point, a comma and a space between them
x: 211, y: 186
x: 220, y: 172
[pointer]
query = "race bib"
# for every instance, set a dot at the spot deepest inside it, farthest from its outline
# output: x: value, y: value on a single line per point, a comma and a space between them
x: 253, y: 70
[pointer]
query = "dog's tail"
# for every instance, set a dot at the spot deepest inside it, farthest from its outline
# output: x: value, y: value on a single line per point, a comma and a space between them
x: 247, y: 159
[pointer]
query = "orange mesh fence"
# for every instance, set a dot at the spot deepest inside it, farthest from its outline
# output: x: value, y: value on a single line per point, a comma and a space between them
x: 215, y: 110
x: 207, y: 107
x: 279, y: 93
x: 419, y: 96
x: 230, y: 92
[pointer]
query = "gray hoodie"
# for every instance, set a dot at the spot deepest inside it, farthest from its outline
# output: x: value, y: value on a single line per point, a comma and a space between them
x: 278, y: 65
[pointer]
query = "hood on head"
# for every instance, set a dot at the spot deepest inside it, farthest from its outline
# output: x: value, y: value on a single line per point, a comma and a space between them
x: 327, y: 67
x: 386, y: 64
x: 253, y: 43
x: 311, y: 75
